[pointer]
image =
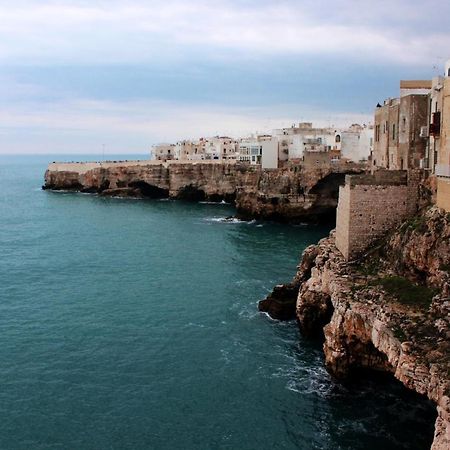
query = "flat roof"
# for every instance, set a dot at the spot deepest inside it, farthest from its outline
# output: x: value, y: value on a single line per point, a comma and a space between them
x: 415, y: 84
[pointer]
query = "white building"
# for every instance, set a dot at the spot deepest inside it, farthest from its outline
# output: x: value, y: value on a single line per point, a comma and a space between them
x: 261, y: 150
x: 357, y: 142
x: 293, y: 140
x: 221, y: 148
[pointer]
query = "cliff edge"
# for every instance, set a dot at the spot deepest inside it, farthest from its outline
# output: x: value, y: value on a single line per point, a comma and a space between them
x: 388, y: 311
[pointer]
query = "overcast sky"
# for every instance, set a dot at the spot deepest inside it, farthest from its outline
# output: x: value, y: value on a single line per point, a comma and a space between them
x: 75, y: 75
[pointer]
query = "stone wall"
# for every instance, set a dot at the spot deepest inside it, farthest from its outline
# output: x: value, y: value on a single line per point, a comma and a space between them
x: 371, y: 205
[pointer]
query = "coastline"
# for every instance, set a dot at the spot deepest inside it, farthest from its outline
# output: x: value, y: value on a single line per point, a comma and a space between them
x: 324, y: 294
x: 288, y: 194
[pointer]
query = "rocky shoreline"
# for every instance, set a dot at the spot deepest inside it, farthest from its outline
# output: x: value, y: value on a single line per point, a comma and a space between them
x: 292, y: 194
x: 389, y: 311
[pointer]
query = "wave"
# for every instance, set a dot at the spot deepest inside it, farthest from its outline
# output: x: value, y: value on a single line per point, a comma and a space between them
x: 223, y: 202
x: 230, y: 220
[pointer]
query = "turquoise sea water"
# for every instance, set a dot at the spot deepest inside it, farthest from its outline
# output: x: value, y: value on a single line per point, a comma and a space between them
x: 130, y: 324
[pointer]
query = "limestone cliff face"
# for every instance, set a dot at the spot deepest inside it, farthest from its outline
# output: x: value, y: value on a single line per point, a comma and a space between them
x: 184, y: 181
x: 374, y: 316
x: 290, y: 194
x: 421, y: 249
x: 293, y: 194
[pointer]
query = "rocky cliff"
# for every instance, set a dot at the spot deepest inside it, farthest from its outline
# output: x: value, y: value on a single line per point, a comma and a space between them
x: 389, y: 311
x: 292, y: 194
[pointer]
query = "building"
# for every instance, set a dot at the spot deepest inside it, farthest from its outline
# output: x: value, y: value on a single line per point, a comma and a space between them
x: 439, y: 130
x: 412, y: 135
x: 356, y: 143
x: 190, y: 150
x: 261, y: 150
x: 221, y: 148
x: 293, y: 141
x: 163, y: 152
x: 400, y: 141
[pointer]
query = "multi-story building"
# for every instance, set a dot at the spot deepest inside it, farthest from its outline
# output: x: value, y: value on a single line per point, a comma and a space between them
x: 220, y: 148
x: 163, y: 152
x: 293, y: 140
x: 400, y: 123
x: 261, y: 150
x: 439, y: 130
x: 190, y: 151
x: 413, y: 131
x: 356, y: 143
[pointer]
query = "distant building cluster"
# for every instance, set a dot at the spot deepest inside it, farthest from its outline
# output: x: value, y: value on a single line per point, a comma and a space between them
x: 413, y: 131
x: 302, y: 143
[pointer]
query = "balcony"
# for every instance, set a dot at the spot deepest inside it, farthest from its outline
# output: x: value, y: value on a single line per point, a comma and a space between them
x: 442, y: 170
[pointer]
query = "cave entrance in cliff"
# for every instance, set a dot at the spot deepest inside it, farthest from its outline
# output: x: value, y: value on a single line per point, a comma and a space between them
x: 381, y: 401
x: 326, y: 191
x: 191, y: 193
x: 149, y: 190
x: 391, y: 415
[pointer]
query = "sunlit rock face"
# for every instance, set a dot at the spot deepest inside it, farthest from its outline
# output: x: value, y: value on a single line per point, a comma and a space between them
x: 293, y: 194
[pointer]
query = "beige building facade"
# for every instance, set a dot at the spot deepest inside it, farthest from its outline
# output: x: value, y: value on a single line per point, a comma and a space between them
x: 400, y: 137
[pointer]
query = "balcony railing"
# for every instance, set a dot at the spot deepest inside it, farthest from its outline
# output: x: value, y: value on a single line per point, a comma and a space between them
x: 442, y: 170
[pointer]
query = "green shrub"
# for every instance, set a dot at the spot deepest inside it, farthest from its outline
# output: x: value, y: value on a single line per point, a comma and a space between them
x: 407, y: 292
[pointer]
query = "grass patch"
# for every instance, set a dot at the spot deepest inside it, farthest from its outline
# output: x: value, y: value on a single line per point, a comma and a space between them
x: 400, y: 334
x: 407, y: 292
x: 417, y: 223
x: 369, y: 268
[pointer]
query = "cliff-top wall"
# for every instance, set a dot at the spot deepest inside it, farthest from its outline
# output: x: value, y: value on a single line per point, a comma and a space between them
x: 372, y: 205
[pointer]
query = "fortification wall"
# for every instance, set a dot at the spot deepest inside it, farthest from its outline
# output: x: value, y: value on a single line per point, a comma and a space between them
x: 371, y: 205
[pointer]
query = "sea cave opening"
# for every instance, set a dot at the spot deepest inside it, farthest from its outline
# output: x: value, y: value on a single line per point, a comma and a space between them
x: 149, y: 190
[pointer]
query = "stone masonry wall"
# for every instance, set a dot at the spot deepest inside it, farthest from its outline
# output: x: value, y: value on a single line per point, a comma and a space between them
x: 370, y: 206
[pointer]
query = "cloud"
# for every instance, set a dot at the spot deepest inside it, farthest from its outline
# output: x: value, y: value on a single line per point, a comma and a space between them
x: 87, y: 124
x: 136, y: 31
x: 76, y: 73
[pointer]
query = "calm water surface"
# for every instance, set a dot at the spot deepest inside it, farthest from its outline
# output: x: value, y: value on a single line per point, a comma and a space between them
x: 130, y: 324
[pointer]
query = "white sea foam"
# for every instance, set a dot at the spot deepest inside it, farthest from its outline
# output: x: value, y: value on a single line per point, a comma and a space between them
x: 229, y: 220
x: 223, y: 202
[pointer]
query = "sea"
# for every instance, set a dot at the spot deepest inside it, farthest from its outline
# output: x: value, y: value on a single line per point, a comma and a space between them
x: 133, y: 324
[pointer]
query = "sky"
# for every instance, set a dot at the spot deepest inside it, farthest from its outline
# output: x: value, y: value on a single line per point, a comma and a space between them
x: 79, y: 76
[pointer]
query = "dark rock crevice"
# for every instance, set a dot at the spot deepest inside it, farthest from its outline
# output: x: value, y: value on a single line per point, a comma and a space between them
x: 148, y: 190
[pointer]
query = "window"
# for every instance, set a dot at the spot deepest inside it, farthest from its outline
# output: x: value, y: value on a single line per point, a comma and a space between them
x: 393, y: 131
x: 338, y: 138
x: 435, y: 126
